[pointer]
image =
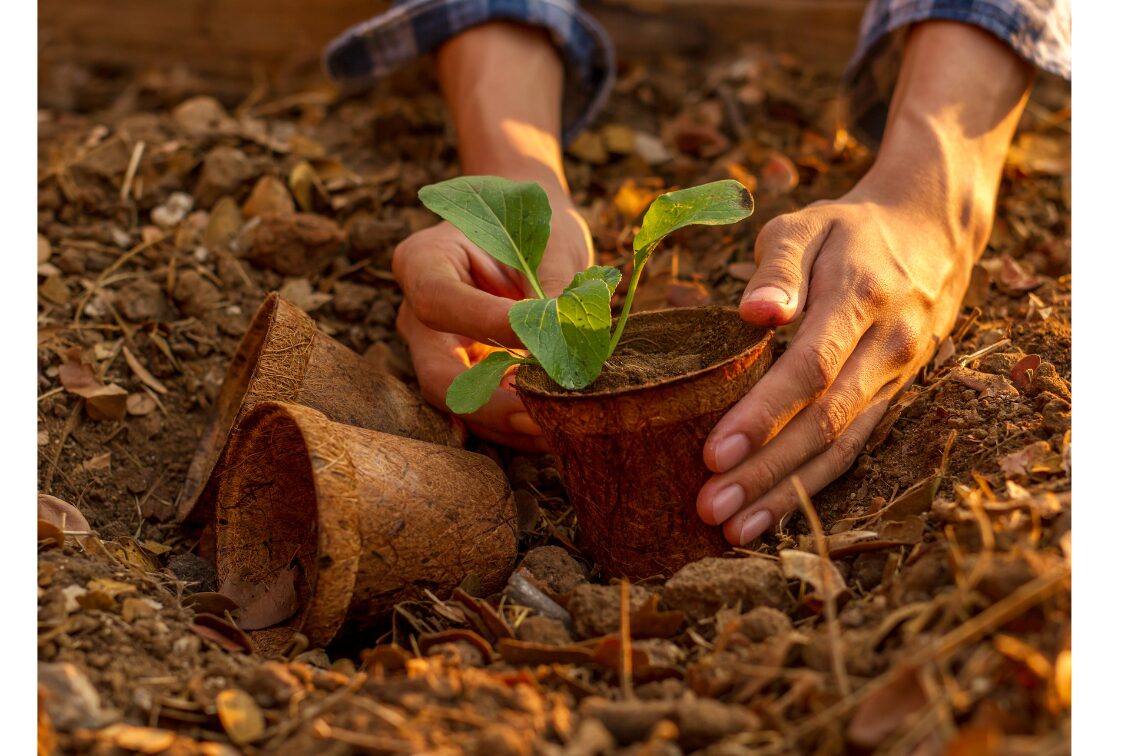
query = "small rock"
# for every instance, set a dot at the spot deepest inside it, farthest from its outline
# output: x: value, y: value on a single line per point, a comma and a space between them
x: 703, y: 721
x: 552, y: 570
x: 173, y: 210
x: 591, y: 738
x: 539, y: 629
x: 198, y: 573
x: 352, y: 301
x: 298, y: 291
x: 763, y: 622
x: 595, y: 608
x: 701, y: 588
x: 70, y: 699
x: 195, y: 295
x: 201, y: 116
x: 1046, y: 378
x: 269, y: 197
x: 223, y: 172
x: 294, y: 244
x: 272, y: 684
x: 142, y: 300
x: 651, y: 149
x: 71, y: 260
x: 628, y: 721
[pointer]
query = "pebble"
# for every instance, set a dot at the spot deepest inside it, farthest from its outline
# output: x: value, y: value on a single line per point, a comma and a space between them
x: 268, y: 197
x: 703, y: 587
x: 223, y: 172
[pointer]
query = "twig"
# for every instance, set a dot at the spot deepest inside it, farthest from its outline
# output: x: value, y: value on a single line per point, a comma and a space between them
x: 68, y: 428
x: 838, y: 660
x: 131, y: 170
x: 626, y: 651
x: 964, y: 361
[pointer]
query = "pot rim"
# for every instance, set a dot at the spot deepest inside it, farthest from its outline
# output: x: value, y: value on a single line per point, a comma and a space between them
x: 565, y: 395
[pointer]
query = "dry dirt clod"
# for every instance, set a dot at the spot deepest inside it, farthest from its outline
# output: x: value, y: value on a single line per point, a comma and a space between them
x: 202, y: 116
x: 537, y: 629
x: 198, y: 574
x: 223, y: 172
x: 352, y: 301
x: 142, y: 300
x: 762, y: 623
x: 195, y: 295
x: 294, y: 244
x: 552, y: 570
x: 701, y: 588
x: 594, y: 608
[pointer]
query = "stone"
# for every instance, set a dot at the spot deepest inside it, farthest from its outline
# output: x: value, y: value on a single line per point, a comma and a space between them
x: 352, y: 301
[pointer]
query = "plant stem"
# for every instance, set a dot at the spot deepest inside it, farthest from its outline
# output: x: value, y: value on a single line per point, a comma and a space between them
x: 533, y: 281
x: 637, y: 274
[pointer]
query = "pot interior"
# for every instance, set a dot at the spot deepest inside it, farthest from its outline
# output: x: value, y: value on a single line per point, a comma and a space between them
x: 267, y: 518
x: 659, y: 347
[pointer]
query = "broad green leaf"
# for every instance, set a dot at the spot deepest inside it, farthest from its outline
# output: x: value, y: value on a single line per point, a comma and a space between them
x: 610, y: 276
x: 509, y: 220
x: 714, y: 204
x: 472, y: 389
x: 569, y: 334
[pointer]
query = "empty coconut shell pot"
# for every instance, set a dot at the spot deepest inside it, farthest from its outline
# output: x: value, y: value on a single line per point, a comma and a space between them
x: 285, y: 357
x: 323, y: 526
x: 630, y: 445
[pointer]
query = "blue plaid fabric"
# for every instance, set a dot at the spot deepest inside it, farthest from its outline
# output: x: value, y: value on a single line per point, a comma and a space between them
x: 412, y: 27
x: 1038, y: 30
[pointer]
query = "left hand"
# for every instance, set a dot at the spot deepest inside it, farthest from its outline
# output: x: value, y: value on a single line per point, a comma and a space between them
x: 878, y: 284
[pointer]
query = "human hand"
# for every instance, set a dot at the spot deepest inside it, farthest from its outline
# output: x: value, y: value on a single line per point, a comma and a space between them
x: 456, y: 311
x: 877, y: 284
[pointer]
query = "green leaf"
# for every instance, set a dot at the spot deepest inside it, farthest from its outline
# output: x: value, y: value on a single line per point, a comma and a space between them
x: 569, y: 334
x: 472, y: 389
x: 509, y: 220
x: 610, y: 276
x: 714, y: 204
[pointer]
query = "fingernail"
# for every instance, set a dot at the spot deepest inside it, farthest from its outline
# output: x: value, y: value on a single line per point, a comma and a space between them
x: 522, y: 422
x: 727, y: 501
x: 755, y: 526
x: 732, y: 451
x: 770, y: 294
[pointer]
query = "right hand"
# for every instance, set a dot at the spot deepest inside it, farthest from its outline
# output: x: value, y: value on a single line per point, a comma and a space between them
x: 455, y: 312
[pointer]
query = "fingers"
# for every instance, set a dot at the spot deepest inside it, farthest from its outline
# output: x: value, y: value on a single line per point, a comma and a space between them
x: 438, y: 358
x: 785, y: 251
x: 449, y: 288
x: 814, y: 430
x: 755, y: 519
x: 824, y: 342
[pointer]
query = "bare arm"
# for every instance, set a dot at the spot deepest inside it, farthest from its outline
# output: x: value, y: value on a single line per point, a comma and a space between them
x: 877, y: 277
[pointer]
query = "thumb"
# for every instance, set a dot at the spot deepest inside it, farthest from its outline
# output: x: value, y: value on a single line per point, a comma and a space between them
x: 569, y: 250
x: 785, y: 251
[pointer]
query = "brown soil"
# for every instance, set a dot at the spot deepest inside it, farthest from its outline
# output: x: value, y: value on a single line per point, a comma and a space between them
x: 959, y: 599
x: 659, y: 346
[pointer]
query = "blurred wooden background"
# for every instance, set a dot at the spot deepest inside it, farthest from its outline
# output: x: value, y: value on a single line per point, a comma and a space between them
x: 231, y: 42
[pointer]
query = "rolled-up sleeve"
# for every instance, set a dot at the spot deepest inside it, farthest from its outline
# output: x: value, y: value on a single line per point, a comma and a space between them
x: 376, y: 47
x: 1038, y: 30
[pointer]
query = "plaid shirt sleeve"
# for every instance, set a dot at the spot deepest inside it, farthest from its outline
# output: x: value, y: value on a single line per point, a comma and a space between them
x: 411, y: 27
x: 1038, y: 30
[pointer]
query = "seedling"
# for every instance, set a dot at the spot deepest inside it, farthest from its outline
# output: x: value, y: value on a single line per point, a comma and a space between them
x: 568, y: 335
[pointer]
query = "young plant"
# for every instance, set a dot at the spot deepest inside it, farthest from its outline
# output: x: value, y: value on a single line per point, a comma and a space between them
x: 568, y: 335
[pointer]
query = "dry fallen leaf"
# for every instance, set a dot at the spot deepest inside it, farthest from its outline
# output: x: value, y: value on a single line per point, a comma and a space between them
x: 1025, y: 370
x: 988, y: 384
x: 885, y: 710
x: 1019, y: 464
x: 102, y: 402
x: 62, y: 514
x: 298, y: 291
x: 97, y: 463
x: 262, y: 604
x: 819, y: 573
x: 240, y: 716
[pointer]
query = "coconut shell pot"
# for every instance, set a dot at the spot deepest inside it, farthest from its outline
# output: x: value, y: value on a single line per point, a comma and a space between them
x: 354, y: 520
x: 285, y: 357
x: 630, y: 445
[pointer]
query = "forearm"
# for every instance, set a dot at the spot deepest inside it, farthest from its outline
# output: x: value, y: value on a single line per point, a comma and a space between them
x: 503, y: 83
x: 959, y: 98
